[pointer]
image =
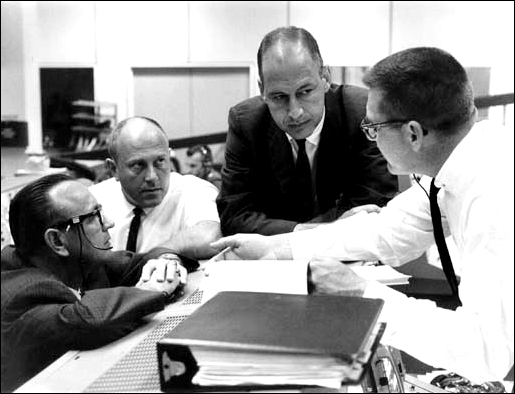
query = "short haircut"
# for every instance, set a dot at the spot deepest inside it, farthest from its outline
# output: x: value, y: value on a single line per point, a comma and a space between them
x: 113, y: 139
x: 32, y: 211
x: 289, y: 34
x: 423, y: 84
x: 205, y: 152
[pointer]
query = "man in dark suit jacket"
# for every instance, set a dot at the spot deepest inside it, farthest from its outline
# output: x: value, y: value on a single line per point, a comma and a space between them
x: 62, y: 286
x: 261, y: 190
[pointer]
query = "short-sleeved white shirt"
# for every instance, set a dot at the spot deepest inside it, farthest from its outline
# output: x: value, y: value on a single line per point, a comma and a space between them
x: 189, y: 200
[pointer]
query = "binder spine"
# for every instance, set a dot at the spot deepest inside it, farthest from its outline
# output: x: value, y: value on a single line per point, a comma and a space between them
x: 177, y: 367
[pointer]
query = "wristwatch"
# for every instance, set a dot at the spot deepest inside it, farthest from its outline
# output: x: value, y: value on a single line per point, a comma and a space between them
x: 170, y: 256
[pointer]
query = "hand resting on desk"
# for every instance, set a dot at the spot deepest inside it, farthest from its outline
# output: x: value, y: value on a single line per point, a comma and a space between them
x: 330, y: 276
x: 162, y: 275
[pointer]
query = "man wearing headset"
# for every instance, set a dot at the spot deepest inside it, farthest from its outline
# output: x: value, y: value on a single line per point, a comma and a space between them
x: 199, y: 162
x: 63, y: 287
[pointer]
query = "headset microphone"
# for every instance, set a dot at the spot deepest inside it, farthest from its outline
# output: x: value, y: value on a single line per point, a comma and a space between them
x: 99, y: 248
x: 91, y: 243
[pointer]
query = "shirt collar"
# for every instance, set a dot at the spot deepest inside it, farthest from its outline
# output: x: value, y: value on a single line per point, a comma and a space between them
x: 76, y: 292
x: 128, y: 208
x: 459, y: 169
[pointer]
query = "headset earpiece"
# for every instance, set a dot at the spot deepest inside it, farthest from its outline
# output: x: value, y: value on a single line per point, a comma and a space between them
x: 206, y: 156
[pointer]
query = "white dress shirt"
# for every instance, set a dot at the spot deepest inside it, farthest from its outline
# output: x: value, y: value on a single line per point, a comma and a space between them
x: 477, y: 205
x: 311, y: 143
x: 188, y: 201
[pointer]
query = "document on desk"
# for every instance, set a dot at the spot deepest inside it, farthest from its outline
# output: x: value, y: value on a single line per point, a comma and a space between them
x: 381, y: 273
x: 265, y: 276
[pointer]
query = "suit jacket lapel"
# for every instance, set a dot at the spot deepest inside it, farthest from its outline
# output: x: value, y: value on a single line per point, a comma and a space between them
x: 331, y: 153
x: 281, y: 158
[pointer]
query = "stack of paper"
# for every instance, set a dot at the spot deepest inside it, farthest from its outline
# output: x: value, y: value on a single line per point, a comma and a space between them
x: 232, y: 368
x: 251, y: 367
x: 381, y: 273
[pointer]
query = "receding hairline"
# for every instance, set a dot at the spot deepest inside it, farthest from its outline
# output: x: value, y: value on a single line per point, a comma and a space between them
x: 291, y: 35
x: 285, y: 47
x: 138, y: 123
x: 65, y: 193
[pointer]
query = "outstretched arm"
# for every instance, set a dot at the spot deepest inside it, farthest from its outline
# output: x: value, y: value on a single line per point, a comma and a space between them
x: 195, y: 241
x: 255, y: 247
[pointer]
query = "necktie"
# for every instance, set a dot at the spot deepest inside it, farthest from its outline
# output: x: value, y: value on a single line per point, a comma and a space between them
x: 133, y: 229
x: 303, y: 171
x: 445, y: 258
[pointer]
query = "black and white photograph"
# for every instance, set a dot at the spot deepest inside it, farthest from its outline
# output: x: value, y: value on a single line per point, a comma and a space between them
x: 257, y: 196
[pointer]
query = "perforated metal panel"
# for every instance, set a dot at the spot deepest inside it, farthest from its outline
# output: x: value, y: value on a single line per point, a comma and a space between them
x: 194, y: 298
x: 138, y: 370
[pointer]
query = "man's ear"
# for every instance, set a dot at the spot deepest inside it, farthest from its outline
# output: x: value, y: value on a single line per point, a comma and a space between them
x: 326, y: 77
x: 111, y: 165
x: 415, y: 134
x: 261, y: 87
x: 55, y: 241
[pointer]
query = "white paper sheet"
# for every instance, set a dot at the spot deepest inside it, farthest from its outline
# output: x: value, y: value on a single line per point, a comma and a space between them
x: 381, y: 273
x: 272, y: 276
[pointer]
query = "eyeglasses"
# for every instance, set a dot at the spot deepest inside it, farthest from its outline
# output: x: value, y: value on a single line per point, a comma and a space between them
x: 371, y: 129
x: 80, y: 218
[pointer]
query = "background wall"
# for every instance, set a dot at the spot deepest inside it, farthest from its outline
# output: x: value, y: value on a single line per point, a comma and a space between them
x: 115, y: 39
x: 13, y: 99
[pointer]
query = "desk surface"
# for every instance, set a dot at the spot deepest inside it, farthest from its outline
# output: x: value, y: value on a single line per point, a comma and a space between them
x: 126, y: 365
x: 75, y: 371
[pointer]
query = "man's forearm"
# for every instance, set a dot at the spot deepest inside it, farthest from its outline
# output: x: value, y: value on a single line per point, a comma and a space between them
x: 194, y: 241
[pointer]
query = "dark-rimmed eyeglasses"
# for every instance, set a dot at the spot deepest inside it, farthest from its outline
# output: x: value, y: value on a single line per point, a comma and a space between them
x: 371, y: 129
x: 80, y: 218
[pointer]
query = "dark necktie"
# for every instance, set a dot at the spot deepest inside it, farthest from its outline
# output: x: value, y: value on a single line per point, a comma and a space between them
x: 445, y: 258
x: 303, y: 171
x: 133, y: 229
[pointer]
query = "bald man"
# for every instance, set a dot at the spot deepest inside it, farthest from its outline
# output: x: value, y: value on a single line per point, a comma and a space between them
x: 295, y: 156
x: 178, y: 211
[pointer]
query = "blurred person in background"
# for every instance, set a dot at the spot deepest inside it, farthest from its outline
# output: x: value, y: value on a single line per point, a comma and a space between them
x: 199, y: 162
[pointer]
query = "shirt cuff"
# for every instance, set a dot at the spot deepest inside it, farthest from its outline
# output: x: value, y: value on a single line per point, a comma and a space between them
x: 170, y: 256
